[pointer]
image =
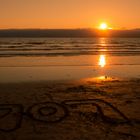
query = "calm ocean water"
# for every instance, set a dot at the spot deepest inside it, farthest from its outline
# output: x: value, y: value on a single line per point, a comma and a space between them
x: 68, y: 46
x: 41, y: 59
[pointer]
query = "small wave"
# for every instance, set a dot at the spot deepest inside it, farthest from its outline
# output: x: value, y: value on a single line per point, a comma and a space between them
x: 68, y: 53
x: 35, y: 43
x: 68, y: 46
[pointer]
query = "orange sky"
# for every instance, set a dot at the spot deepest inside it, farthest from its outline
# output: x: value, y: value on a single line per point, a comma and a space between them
x: 69, y: 13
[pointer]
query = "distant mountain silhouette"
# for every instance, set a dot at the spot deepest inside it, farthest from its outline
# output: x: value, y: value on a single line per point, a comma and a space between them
x: 68, y: 33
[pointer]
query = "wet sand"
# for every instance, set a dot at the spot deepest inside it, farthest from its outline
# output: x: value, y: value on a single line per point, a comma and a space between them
x: 87, y: 109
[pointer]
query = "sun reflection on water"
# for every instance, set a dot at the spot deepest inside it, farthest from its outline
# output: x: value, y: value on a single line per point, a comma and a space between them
x: 103, y: 41
x: 102, y: 61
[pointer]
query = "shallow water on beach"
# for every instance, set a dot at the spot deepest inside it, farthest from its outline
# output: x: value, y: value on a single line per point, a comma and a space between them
x: 37, y: 59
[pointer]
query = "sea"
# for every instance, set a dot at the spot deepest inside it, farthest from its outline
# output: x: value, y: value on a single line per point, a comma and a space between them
x: 41, y: 59
x: 68, y: 46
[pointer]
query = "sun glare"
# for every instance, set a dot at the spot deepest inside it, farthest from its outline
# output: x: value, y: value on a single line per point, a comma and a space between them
x: 102, y: 60
x: 103, y: 26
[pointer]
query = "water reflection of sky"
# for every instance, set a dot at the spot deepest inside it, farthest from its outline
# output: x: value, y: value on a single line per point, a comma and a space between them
x: 102, y: 60
x: 102, y: 57
x: 103, y: 41
x: 118, y: 66
x: 102, y: 66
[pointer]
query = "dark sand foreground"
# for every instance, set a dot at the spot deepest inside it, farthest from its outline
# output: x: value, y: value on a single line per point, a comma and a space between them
x: 80, y: 110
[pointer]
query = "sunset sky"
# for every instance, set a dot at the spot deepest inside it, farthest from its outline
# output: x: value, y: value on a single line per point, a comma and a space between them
x: 69, y: 13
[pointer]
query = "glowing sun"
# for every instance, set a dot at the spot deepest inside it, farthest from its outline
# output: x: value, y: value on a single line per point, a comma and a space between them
x: 103, y: 26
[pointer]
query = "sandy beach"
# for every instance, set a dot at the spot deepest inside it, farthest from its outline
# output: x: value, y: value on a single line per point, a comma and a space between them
x: 86, y: 109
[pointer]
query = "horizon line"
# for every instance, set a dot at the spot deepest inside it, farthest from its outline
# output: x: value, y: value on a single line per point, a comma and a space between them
x: 88, y: 28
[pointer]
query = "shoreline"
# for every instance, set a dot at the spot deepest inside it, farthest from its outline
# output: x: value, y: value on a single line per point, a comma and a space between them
x: 34, y: 74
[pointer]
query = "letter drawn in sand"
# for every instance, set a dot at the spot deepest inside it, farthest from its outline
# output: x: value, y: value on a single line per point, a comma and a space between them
x: 11, y: 115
